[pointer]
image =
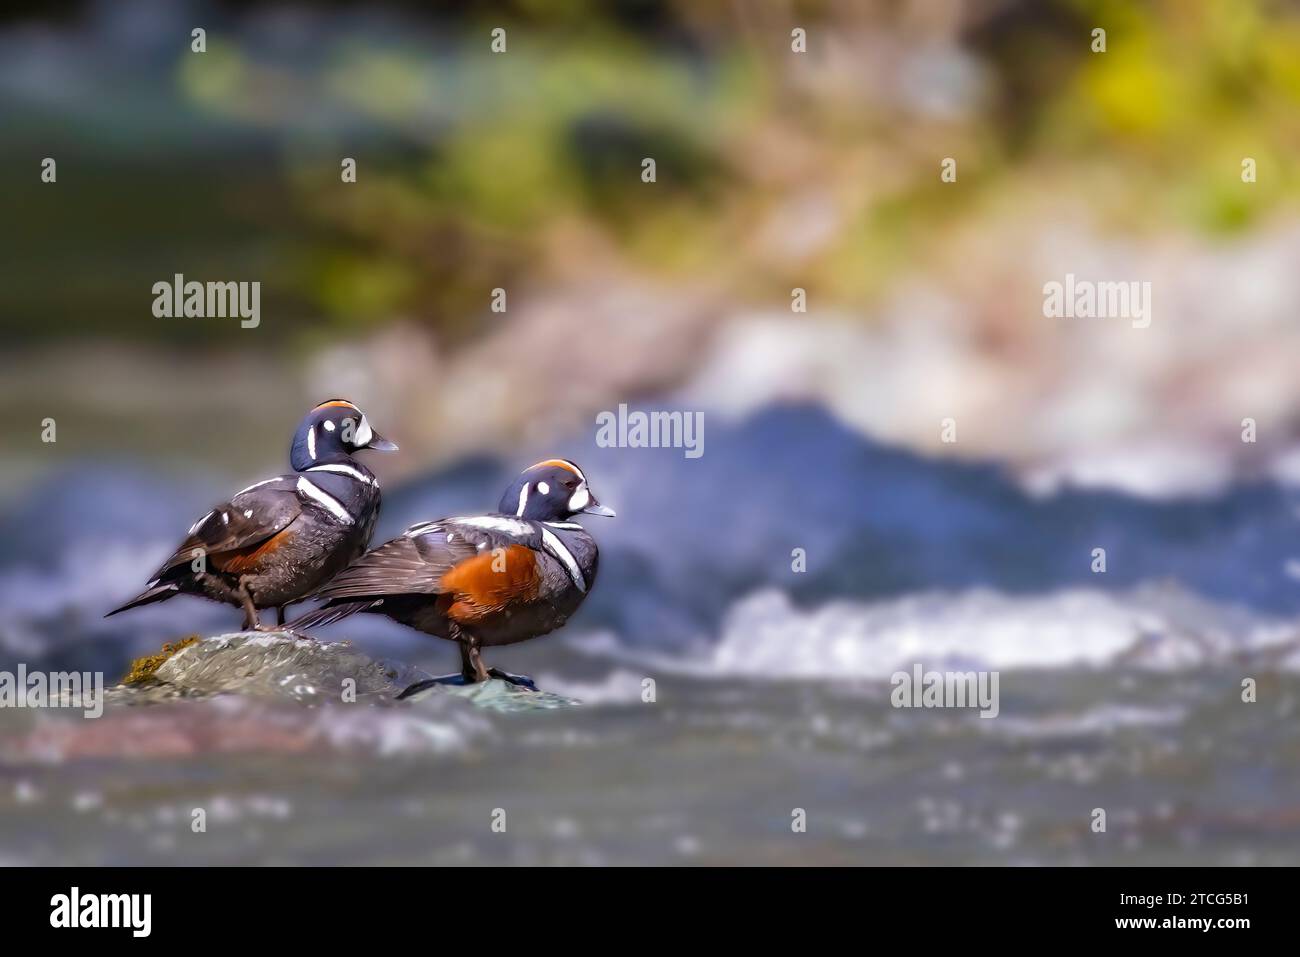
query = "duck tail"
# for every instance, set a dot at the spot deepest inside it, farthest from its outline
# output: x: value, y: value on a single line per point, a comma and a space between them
x: 328, y: 615
x: 148, y: 597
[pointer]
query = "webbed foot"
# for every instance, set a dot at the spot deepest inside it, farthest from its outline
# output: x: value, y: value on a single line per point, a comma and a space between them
x: 523, y: 681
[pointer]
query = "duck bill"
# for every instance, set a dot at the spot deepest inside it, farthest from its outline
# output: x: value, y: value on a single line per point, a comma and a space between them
x: 381, y: 444
x: 595, y: 508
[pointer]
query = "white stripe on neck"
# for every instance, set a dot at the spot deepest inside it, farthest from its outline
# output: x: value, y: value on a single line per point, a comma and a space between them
x: 321, y: 497
x: 523, y: 499
x: 552, y: 543
x: 344, y: 470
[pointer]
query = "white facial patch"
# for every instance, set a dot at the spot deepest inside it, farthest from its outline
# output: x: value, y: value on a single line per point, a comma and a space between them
x: 364, y: 432
x: 523, y: 497
x: 543, y: 488
x: 329, y: 426
x: 580, y: 499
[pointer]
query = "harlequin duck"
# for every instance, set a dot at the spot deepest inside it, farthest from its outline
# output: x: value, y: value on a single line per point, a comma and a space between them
x: 481, y: 580
x: 280, y: 539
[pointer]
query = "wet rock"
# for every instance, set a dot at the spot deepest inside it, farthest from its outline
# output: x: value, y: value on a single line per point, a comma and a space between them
x: 280, y: 666
x: 493, y: 694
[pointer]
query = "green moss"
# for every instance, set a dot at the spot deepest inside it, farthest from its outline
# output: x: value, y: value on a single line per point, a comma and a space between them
x: 142, y: 670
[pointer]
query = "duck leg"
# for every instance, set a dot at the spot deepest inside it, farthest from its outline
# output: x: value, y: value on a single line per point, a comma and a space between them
x: 251, y: 621
x: 282, y: 629
x: 471, y: 661
x: 472, y: 668
x: 523, y: 681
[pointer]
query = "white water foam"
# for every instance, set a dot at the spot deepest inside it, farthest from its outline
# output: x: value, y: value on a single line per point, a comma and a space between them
x: 766, y: 636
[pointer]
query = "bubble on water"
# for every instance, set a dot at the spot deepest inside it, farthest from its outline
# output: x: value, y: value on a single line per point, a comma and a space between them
x: 25, y: 792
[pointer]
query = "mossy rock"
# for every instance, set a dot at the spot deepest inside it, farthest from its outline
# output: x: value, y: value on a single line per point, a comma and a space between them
x: 142, y: 670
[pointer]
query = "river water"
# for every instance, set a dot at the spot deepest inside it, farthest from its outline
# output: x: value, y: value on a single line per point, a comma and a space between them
x: 711, y: 704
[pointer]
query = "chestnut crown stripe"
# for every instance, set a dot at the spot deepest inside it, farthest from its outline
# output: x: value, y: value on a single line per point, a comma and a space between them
x: 561, y: 464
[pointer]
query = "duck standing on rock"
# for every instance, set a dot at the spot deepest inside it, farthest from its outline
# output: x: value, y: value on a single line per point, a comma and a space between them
x: 279, y: 540
x: 481, y: 580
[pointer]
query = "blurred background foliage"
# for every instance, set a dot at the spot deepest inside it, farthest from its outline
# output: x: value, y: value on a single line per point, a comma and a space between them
x: 775, y: 170
x: 479, y: 170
